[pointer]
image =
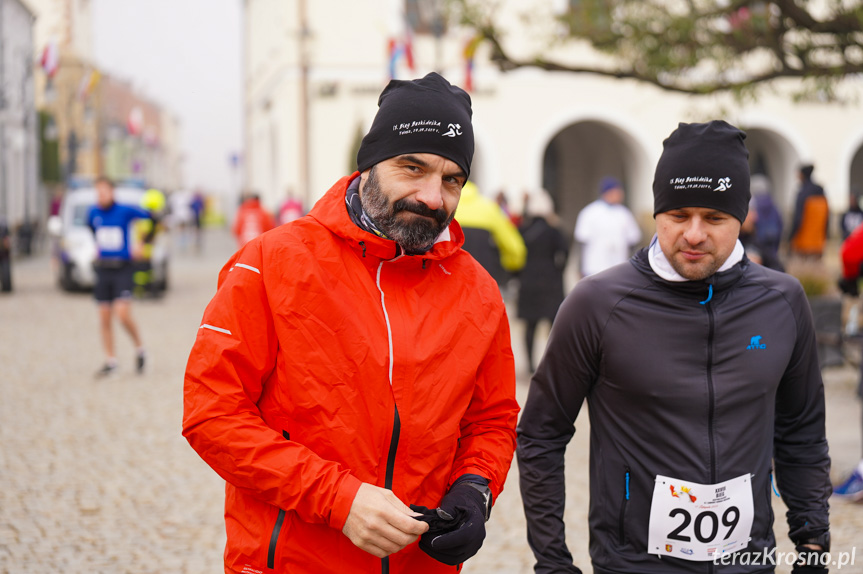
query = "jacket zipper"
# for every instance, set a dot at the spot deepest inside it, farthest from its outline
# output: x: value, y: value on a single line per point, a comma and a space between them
x: 621, y: 533
x: 391, y: 461
x: 274, y: 539
x: 274, y: 536
x: 394, y: 445
x: 711, y: 400
x: 394, y: 441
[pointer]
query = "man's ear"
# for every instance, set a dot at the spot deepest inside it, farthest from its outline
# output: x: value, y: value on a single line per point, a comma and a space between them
x: 363, y: 178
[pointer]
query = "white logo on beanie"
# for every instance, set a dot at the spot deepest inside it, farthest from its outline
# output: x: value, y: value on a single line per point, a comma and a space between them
x: 724, y: 184
x: 700, y: 182
x: 454, y: 130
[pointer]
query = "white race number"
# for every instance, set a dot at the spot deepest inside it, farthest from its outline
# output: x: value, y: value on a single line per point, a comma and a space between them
x: 698, y: 522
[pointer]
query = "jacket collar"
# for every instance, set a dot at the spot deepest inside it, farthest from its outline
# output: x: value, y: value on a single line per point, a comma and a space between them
x: 332, y: 212
x: 704, y: 290
x: 662, y: 267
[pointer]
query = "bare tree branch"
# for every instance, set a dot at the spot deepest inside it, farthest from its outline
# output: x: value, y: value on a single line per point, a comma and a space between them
x: 658, y: 47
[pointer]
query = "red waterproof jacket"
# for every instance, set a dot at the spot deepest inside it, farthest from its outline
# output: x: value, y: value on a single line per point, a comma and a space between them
x: 326, y: 360
x: 851, y: 254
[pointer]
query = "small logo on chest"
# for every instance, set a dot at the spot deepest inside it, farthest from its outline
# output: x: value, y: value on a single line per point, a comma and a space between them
x: 755, y: 343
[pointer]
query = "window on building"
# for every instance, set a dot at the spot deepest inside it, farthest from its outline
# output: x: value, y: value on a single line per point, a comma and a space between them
x: 426, y: 16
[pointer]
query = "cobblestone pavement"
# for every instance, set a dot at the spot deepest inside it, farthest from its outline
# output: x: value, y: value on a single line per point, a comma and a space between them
x: 96, y: 478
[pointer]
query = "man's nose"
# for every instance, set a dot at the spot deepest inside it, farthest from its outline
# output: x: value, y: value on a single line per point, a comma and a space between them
x: 695, y: 231
x: 429, y: 192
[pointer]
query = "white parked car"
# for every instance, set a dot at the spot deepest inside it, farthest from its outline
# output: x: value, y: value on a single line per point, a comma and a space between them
x: 77, y: 245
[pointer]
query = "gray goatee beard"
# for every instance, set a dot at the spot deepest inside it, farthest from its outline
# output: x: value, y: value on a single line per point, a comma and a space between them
x: 414, y: 235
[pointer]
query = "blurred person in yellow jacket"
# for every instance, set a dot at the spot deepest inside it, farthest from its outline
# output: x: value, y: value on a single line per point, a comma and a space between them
x: 145, y: 230
x: 489, y: 235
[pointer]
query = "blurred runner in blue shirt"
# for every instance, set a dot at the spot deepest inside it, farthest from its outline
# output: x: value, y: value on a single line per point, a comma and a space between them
x: 114, y: 270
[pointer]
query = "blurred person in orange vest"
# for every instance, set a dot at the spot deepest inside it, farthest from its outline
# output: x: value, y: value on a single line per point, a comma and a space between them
x: 252, y: 220
x: 811, y: 217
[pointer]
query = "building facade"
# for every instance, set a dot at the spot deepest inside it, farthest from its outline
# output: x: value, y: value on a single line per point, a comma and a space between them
x: 312, y: 81
x: 100, y: 123
x: 18, y: 120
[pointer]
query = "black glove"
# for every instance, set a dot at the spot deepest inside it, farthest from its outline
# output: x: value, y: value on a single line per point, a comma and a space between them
x: 456, y: 529
x: 808, y: 561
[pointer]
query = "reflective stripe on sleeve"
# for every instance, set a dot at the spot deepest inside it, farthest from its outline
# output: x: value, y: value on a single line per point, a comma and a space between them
x: 249, y: 267
x: 212, y: 328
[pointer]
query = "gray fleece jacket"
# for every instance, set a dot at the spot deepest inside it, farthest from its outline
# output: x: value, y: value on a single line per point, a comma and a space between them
x: 703, y: 380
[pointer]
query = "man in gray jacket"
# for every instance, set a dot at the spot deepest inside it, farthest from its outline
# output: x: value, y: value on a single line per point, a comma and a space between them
x: 701, y: 376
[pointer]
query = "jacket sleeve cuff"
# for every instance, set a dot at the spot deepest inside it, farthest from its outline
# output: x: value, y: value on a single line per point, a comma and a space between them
x: 343, y: 501
x: 479, y: 473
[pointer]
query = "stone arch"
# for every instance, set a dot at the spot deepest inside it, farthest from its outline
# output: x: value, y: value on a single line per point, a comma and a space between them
x: 579, y: 151
x: 777, y: 153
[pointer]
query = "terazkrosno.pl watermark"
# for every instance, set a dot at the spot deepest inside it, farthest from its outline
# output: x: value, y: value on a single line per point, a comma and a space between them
x: 773, y: 557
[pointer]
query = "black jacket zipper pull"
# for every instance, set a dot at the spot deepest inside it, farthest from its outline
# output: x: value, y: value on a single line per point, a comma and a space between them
x: 363, y: 245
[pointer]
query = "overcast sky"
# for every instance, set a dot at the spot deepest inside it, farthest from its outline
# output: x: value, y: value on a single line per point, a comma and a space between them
x: 185, y: 55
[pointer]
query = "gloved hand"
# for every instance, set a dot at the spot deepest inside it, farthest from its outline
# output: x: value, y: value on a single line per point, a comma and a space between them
x: 456, y: 529
x: 808, y: 561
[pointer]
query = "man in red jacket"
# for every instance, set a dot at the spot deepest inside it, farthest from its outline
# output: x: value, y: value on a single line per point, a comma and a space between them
x: 352, y: 379
x: 252, y: 220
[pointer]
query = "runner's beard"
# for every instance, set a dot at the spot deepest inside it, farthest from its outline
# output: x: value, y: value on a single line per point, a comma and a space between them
x: 412, y: 233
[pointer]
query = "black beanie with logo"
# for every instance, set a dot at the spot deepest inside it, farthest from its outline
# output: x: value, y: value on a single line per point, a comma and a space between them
x: 703, y: 165
x: 428, y: 115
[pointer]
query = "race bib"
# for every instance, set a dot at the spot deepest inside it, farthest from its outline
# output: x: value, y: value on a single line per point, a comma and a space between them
x: 110, y: 238
x: 699, y: 522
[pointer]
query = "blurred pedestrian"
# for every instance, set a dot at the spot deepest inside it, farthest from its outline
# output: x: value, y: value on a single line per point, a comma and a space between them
x: 811, y: 221
x: 56, y: 201
x: 503, y: 202
x: 606, y: 229
x: 110, y: 222
x: 26, y: 233
x: 768, y: 220
x: 755, y: 251
x: 489, y: 234
x: 853, y: 217
x: 291, y: 209
x: 182, y: 216
x: 701, y: 377
x: 540, y: 290
x: 5, y: 257
x: 197, y: 206
x: 143, y: 239
x: 358, y: 360
x: 55, y: 225
x: 252, y: 220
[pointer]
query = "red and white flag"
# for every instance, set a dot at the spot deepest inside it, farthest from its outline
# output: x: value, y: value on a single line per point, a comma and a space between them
x: 50, y: 58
